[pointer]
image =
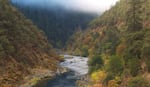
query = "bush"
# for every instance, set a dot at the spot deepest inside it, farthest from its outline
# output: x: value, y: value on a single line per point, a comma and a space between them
x: 109, y: 77
x: 134, y: 66
x: 146, y: 56
x: 138, y: 82
x: 84, y: 51
x: 98, y: 76
x: 115, y: 65
x: 95, y: 63
x: 148, y: 64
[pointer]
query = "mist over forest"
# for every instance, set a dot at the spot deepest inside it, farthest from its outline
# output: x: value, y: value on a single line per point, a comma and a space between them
x: 55, y: 20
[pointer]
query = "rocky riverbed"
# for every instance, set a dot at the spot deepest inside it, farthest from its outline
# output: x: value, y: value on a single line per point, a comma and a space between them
x: 77, y: 68
x: 71, y: 70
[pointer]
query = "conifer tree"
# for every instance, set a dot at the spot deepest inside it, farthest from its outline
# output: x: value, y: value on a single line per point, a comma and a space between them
x: 134, y: 11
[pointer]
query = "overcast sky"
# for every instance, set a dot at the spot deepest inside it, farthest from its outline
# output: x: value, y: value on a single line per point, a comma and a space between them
x: 94, y: 6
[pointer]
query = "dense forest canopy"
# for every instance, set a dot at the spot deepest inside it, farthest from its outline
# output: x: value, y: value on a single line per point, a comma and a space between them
x: 23, y: 47
x: 117, y: 45
x: 57, y: 23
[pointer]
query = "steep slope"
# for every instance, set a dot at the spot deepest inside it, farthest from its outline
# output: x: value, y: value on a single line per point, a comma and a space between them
x: 57, y: 23
x: 22, y: 47
x: 117, y: 44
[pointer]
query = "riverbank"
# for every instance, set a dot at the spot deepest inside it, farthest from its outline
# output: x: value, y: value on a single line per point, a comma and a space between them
x: 69, y: 72
x: 84, y: 81
x: 41, y: 76
x: 78, y: 68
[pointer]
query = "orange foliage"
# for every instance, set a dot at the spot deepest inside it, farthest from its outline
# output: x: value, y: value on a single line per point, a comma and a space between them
x: 113, y: 83
x: 120, y: 49
x: 87, y: 40
x: 97, y: 85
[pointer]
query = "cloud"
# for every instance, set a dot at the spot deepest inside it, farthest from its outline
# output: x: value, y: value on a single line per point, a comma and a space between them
x: 94, y: 6
x: 88, y: 5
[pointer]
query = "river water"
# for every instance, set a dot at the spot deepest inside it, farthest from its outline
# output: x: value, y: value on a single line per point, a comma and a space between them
x: 78, y: 67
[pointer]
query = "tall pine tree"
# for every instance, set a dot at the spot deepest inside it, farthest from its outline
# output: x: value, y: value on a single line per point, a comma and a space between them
x: 134, y: 36
x: 134, y: 12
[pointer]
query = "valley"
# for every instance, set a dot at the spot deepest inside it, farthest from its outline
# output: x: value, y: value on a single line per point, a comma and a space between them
x: 58, y: 23
x: 57, y: 43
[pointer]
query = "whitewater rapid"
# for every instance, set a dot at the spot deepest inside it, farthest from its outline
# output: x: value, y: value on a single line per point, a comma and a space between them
x: 76, y: 63
x: 77, y: 67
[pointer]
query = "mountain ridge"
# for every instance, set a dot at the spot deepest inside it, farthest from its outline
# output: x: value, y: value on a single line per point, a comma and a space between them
x: 117, y: 44
x: 58, y: 23
x: 23, y: 47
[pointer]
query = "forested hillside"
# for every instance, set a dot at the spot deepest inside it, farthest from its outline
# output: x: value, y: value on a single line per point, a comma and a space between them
x: 23, y: 47
x: 118, y: 46
x: 58, y: 24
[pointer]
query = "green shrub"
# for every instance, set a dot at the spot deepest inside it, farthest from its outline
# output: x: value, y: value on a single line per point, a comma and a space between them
x: 115, y: 65
x: 109, y: 77
x: 95, y: 63
x: 146, y: 55
x: 84, y: 51
x: 138, y: 82
x: 148, y: 64
x: 134, y: 66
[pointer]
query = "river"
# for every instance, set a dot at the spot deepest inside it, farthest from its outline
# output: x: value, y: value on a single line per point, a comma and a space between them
x: 78, y: 67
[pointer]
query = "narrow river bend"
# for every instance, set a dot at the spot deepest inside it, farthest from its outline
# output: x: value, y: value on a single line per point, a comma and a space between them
x: 78, y: 67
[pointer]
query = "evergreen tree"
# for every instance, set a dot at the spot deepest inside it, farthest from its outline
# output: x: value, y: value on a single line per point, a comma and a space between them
x: 134, y: 11
x: 134, y: 35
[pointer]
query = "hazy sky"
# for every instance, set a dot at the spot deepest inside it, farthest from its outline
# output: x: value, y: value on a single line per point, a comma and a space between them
x: 94, y: 6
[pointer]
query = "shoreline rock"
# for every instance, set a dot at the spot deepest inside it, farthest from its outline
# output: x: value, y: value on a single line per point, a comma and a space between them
x: 41, y: 76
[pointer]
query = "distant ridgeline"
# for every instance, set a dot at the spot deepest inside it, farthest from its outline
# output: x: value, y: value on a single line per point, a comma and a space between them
x: 58, y: 24
x: 23, y: 47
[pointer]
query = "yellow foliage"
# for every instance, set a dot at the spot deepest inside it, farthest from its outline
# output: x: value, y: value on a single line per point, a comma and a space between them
x: 118, y: 79
x: 34, y: 80
x: 98, y: 76
x: 87, y: 40
x: 61, y: 57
